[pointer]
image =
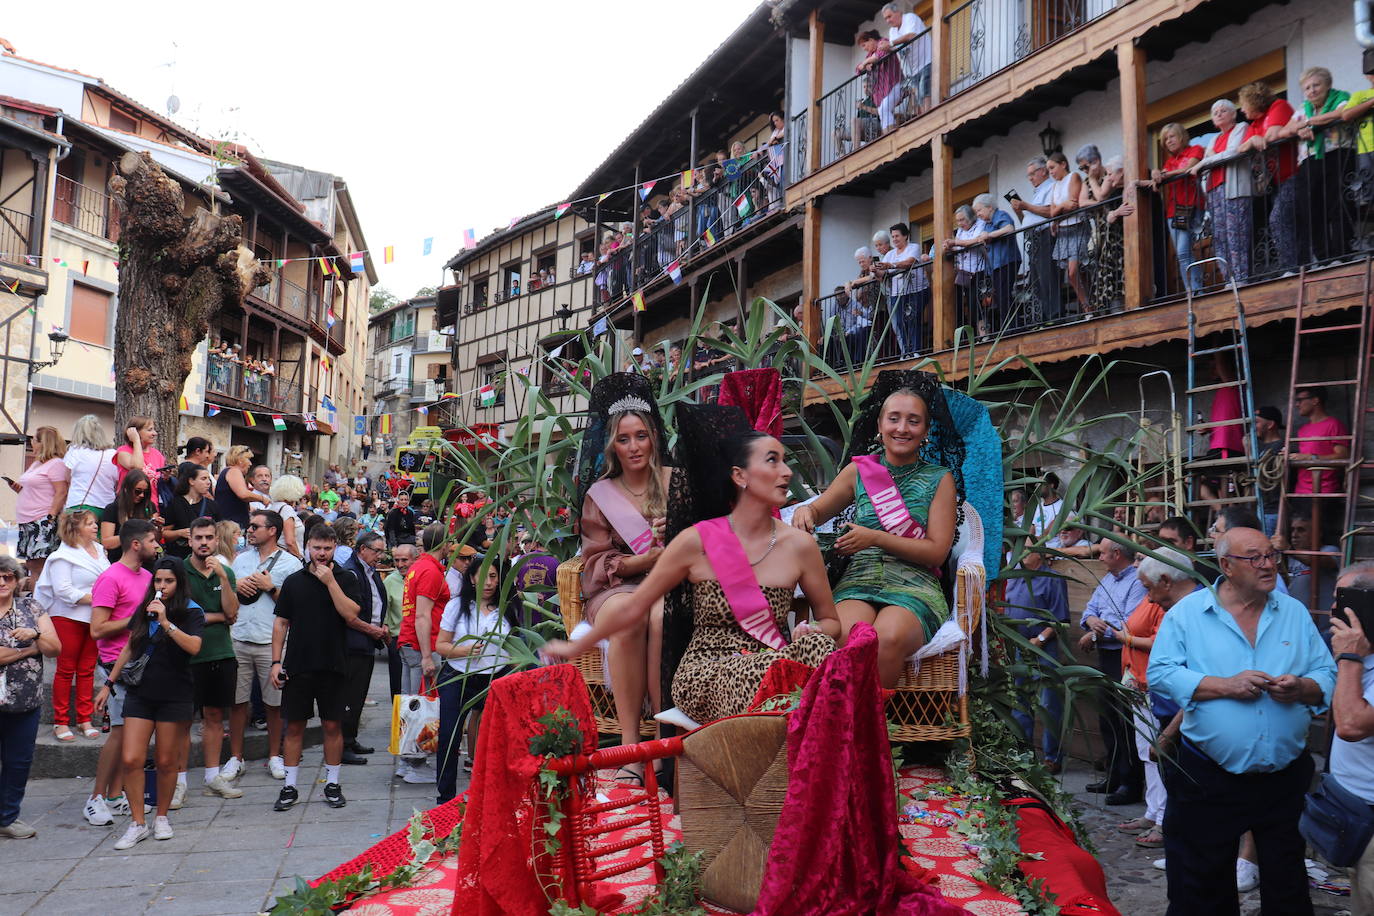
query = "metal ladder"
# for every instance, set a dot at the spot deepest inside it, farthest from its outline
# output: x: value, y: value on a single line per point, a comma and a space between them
x: 1358, y: 539
x: 1235, y: 344
x: 1159, y: 456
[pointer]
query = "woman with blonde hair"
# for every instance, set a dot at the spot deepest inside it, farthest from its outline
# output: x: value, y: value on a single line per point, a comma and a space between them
x: 233, y: 496
x: 42, y: 490
x: 227, y: 536
x: 623, y: 483
x: 90, y: 465
x: 64, y: 592
x: 287, y: 490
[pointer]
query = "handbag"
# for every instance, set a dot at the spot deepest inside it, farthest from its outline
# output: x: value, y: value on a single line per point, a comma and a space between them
x: 1336, y: 823
x: 131, y: 675
x: 1183, y: 217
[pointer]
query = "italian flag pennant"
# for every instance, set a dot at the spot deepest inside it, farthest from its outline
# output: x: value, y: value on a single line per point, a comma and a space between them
x: 638, y: 301
x: 279, y: 423
x: 486, y: 395
x: 743, y: 206
x: 249, y: 419
x: 560, y: 210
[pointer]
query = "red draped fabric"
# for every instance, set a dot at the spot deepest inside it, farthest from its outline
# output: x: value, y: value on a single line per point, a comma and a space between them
x: 498, y: 869
x: 835, y: 849
x: 1071, y: 874
x: 758, y: 392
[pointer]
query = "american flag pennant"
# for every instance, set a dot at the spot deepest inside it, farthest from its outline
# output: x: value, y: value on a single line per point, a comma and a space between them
x: 687, y: 180
x: 310, y: 423
x: 211, y: 410
x: 638, y: 300
x: 357, y: 261
x: 279, y: 423
x: 674, y: 271
x: 469, y: 238
x: 388, y: 254
x: 249, y: 419
x: 647, y: 188
x: 183, y: 404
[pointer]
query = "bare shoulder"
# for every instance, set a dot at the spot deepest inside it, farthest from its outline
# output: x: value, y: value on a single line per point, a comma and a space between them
x: 796, y: 539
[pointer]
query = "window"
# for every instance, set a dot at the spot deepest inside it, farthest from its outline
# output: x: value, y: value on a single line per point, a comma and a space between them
x: 510, y: 280
x: 121, y: 121
x: 398, y: 367
x: 562, y: 355
x: 479, y: 294
x: 491, y: 371
x: 544, y: 265
x: 90, y: 319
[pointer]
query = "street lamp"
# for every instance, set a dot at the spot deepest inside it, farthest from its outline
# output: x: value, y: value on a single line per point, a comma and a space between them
x: 563, y: 313
x: 1049, y: 140
x: 57, y: 344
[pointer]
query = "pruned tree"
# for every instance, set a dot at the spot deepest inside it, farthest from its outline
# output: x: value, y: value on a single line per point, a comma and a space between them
x: 175, y: 271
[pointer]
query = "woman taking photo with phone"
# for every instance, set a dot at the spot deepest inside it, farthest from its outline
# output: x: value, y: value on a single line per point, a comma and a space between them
x: 154, y: 666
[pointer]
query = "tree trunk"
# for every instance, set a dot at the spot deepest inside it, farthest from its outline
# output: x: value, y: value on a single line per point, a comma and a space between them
x: 175, y: 272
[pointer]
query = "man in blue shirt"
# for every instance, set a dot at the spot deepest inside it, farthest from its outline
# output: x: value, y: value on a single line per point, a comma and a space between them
x: 1119, y: 593
x: 1249, y: 670
x: 1040, y: 596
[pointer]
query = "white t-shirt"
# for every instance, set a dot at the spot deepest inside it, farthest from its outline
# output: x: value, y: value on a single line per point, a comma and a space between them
x: 1041, y: 198
x: 1045, y: 516
x: 916, y: 55
x: 903, y: 283
x: 286, y: 510
x: 255, y: 620
x: 1352, y: 762
x: 94, y: 476
x: 487, y: 656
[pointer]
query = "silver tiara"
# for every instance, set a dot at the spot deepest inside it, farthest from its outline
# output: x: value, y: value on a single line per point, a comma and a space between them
x: 630, y: 403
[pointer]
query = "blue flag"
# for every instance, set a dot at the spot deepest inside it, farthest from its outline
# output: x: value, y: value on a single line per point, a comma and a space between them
x: 359, y: 424
x: 429, y: 245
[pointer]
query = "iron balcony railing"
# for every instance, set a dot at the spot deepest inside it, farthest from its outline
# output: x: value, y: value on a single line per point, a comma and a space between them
x: 294, y: 299
x: 16, y: 229
x: 85, y: 208
x: 889, y: 92
x: 986, y: 36
x: 798, y: 162
x: 889, y: 316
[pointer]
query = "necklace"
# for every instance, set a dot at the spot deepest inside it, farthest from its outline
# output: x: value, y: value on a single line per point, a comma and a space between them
x: 626, y: 487
x: 772, y: 540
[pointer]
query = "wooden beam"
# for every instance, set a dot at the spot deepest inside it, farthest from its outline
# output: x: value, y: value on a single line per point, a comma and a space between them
x: 942, y: 272
x: 1138, y: 266
x: 939, y: 52
x: 813, y: 120
x: 811, y: 272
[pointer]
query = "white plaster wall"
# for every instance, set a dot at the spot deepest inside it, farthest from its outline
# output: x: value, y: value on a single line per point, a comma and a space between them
x: 36, y: 83
x: 845, y: 223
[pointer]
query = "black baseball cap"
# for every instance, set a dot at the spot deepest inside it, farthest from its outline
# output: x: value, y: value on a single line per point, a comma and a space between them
x: 1271, y: 414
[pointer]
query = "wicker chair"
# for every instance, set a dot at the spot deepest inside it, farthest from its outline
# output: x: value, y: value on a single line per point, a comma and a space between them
x: 930, y: 703
x: 589, y: 663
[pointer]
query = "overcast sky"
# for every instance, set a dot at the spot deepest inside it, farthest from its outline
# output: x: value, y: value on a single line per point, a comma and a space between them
x: 440, y: 116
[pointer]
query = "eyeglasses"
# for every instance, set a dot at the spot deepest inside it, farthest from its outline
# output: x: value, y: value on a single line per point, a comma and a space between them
x: 254, y: 526
x: 1259, y: 560
x: 140, y: 491
x: 8, y: 578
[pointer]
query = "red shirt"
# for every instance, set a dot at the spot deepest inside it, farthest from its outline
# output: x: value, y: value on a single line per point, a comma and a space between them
x: 1336, y: 434
x: 1282, y: 159
x: 1182, y: 191
x: 1142, y: 624
x: 426, y: 577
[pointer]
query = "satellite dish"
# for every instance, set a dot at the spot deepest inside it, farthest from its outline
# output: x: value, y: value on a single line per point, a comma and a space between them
x: 173, y: 104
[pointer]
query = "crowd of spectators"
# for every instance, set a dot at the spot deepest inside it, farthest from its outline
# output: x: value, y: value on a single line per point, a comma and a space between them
x: 228, y: 364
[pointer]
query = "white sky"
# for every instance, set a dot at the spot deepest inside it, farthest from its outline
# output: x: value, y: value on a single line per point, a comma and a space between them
x: 440, y: 116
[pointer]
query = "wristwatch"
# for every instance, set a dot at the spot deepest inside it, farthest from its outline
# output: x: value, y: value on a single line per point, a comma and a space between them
x: 173, y: 628
x: 1350, y: 657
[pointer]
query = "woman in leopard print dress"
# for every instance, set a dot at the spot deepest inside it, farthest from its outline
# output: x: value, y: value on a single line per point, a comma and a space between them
x: 723, y: 665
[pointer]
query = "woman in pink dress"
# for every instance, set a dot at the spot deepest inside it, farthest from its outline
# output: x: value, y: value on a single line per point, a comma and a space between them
x: 140, y: 453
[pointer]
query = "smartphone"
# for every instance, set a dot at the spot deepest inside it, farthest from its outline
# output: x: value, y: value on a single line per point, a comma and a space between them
x: 1011, y: 195
x: 1359, y: 600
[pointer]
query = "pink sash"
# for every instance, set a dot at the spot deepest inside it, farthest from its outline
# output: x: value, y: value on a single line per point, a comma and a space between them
x: 887, y: 499
x: 632, y: 527
x: 738, y: 582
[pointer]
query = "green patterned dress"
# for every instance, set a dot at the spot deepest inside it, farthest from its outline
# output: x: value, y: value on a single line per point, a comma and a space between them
x: 881, y: 579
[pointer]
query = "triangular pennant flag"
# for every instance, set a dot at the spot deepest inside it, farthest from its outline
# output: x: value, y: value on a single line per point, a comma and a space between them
x: 13, y: 287
x: 278, y: 423
x: 388, y: 254
x: 422, y: 410
x: 249, y: 419
x: 211, y: 410
x: 638, y: 300
x: 560, y: 210
x: 183, y: 404
x: 647, y: 188
x: 603, y: 197
x: 675, y: 271
x: 85, y: 267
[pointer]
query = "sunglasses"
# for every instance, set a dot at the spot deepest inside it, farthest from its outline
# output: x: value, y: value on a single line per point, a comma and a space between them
x: 8, y: 578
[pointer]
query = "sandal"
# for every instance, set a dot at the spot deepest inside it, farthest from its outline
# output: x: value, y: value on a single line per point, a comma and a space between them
x: 89, y: 731
x: 631, y: 778
x: 1151, y: 839
x: 63, y: 733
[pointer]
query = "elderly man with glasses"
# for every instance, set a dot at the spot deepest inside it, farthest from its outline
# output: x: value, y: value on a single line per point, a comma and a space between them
x: 1250, y: 671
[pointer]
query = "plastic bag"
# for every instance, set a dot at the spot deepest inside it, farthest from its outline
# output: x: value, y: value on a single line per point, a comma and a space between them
x: 414, y: 725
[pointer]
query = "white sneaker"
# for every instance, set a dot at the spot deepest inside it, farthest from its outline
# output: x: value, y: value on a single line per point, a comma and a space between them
x: 221, y: 787
x: 97, y: 813
x: 1247, y: 875
x: 118, y: 806
x: 277, y: 766
x: 135, y: 834
x: 402, y: 769
x: 232, y: 770
x: 178, y: 796
x: 162, y: 829
x: 1159, y: 864
x: 419, y: 777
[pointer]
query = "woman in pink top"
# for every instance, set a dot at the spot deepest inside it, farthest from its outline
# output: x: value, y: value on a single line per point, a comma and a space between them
x: 139, y: 451
x: 1227, y: 440
x: 42, y: 490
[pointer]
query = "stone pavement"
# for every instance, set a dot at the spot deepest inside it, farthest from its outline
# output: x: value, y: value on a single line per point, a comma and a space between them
x: 1135, y: 886
x: 229, y: 856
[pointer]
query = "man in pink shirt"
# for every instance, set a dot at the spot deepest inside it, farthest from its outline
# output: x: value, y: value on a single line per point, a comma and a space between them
x: 1321, y: 440
x: 116, y: 595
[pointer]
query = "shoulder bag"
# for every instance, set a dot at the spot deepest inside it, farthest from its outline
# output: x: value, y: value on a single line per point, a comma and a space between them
x: 1336, y: 822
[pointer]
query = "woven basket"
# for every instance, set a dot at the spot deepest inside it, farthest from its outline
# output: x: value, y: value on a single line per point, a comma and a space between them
x: 589, y: 663
x: 732, y: 782
x: 927, y: 704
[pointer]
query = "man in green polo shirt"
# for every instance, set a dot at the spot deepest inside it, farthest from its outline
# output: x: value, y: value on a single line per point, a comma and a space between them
x: 211, y: 584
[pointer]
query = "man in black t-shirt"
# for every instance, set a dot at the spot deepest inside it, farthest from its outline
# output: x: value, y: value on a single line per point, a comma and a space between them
x: 315, y: 607
x: 401, y: 522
